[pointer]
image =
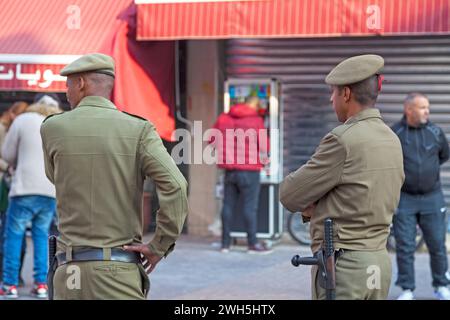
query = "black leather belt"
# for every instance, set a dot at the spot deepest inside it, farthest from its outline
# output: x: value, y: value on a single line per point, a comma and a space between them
x: 96, y: 254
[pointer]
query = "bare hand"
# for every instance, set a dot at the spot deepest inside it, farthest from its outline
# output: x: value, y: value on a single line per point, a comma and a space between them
x: 149, y: 259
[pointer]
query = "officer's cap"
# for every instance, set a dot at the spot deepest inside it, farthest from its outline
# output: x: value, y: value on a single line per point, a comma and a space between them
x: 94, y: 62
x: 355, y: 69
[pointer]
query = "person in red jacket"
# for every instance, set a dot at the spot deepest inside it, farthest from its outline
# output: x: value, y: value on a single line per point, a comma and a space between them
x: 242, y: 148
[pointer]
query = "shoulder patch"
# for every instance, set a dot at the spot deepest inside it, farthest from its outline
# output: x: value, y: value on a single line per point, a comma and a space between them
x: 52, y: 115
x: 135, y: 116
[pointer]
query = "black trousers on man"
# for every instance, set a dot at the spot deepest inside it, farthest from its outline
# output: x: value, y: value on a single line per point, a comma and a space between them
x: 429, y: 212
x: 241, y: 188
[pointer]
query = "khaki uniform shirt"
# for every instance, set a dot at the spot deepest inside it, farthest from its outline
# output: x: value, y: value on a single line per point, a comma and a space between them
x: 354, y: 177
x: 98, y: 157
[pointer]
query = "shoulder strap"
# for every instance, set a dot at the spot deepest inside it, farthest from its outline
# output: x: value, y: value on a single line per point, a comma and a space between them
x: 135, y: 116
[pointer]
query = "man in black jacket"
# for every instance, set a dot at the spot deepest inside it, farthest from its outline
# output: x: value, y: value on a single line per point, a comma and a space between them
x: 425, y: 148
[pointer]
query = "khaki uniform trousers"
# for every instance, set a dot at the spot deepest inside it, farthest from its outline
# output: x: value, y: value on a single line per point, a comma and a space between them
x: 360, y: 275
x: 92, y: 280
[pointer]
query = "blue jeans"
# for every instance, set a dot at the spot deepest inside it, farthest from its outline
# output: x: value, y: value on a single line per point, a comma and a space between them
x: 39, y: 210
x: 433, y: 225
x: 240, y: 187
x: 2, y: 239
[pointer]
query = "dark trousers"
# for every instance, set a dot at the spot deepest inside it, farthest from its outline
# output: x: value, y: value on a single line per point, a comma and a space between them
x: 434, y: 228
x: 241, y: 188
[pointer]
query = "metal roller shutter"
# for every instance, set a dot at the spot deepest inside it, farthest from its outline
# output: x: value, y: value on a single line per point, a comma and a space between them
x: 414, y: 63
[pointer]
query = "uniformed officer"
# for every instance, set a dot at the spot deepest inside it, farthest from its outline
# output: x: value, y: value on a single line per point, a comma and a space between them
x: 98, y: 157
x: 354, y: 177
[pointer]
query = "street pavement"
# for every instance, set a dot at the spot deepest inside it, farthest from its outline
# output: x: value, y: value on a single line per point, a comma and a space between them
x: 197, y: 270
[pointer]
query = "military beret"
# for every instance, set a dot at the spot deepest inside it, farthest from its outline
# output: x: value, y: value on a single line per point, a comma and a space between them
x: 355, y: 69
x: 94, y: 62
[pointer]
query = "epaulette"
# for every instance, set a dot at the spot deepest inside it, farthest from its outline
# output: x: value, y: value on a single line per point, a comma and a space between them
x: 136, y: 116
x: 340, y: 130
x: 52, y: 115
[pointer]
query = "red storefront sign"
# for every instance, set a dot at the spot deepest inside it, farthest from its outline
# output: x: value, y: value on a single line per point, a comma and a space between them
x: 39, y: 37
x: 31, y: 77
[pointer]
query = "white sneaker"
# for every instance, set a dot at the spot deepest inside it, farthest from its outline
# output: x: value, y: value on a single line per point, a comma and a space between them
x: 442, y: 293
x: 406, y: 295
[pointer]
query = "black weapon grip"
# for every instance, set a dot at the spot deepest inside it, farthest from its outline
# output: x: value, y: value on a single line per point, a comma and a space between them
x: 297, y: 260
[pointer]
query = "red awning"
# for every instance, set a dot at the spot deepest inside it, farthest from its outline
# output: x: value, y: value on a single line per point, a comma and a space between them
x: 220, y: 19
x: 37, y: 38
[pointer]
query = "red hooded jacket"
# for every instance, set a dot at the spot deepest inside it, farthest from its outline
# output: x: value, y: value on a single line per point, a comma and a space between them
x: 241, y: 141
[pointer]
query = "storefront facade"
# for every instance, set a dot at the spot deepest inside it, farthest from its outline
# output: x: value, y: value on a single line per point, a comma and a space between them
x: 205, y: 42
x: 298, y: 42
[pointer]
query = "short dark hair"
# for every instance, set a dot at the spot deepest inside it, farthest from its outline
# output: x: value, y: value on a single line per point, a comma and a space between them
x: 411, y: 96
x: 365, y: 92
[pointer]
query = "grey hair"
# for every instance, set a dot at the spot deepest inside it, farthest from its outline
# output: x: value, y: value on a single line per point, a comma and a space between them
x: 411, y: 96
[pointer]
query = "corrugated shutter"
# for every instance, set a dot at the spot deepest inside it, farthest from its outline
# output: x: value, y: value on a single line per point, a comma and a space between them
x: 414, y: 63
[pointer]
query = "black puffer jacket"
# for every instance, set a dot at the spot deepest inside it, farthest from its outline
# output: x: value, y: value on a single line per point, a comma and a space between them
x: 425, y: 148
